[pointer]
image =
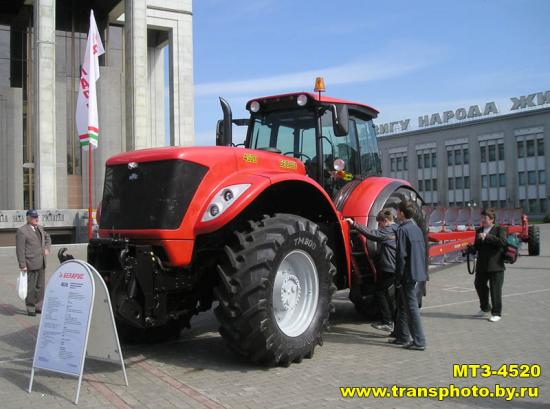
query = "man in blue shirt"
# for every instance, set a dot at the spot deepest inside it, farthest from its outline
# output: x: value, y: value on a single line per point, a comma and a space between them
x: 411, y: 271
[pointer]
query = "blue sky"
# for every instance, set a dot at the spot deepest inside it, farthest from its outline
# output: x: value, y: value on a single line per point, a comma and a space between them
x: 404, y: 58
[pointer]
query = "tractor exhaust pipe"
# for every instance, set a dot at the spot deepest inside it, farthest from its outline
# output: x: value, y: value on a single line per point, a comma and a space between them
x: 224, y: 130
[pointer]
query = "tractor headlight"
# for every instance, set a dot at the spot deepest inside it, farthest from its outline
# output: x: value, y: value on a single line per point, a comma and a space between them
x: 301, y: 100
x: 254, y: 106
x: 223, y: 200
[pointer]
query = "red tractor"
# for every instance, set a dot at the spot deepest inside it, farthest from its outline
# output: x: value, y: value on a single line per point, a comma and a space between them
x: 257, y: 228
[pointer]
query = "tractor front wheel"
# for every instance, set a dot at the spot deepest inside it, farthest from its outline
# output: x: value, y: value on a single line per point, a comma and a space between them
x: 275, y: 289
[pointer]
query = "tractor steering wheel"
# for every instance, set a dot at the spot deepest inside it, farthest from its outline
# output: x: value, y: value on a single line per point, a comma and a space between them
x: 298, y: 154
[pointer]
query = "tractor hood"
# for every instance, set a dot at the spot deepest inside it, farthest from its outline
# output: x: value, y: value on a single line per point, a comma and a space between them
x: 229, y: 158
x: 162, y: 195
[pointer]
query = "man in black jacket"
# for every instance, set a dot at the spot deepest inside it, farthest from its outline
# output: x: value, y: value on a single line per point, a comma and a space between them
x: 411, y: 271
x: 384, y: 263
x: 490, y: 243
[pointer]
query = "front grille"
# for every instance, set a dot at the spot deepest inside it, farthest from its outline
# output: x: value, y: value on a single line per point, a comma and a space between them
x: 151, y: 195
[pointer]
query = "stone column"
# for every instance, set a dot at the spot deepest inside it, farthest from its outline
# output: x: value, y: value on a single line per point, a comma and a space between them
x: 156, y: 129
x: 176, y: 16
x: 135, y: 63
x: 181, y: 74
x: 44, y: 104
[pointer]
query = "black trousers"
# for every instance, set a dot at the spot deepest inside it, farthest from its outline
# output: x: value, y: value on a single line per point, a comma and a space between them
x: 495, y: 280
x: 383, y: 296
x: 36, y: 280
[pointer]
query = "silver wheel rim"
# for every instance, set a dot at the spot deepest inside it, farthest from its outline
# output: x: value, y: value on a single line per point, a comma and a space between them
x: 295, y: 293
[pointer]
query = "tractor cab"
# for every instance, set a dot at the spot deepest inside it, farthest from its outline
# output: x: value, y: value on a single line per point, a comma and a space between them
x: 335, y: 139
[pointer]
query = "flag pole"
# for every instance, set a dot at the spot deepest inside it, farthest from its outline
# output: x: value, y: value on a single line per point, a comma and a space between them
x: 90, y: 169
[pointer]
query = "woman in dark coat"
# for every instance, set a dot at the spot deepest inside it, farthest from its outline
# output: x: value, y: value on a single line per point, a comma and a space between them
x: 490, y: 244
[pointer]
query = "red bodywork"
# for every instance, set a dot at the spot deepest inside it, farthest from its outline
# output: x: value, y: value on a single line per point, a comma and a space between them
x: 227, y: 166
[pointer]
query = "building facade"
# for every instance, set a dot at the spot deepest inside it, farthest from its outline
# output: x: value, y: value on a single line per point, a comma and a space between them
x: 475, y: 156
x: 149, y: 49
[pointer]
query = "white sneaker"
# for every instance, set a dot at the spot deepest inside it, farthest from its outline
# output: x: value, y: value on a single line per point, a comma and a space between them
x: 482, y: 314
x: 495, y: 318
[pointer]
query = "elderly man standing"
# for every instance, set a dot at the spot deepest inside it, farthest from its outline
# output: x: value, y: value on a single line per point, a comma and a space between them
x: 32, y: 247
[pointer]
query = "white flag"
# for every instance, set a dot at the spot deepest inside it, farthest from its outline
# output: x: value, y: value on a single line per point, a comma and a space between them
x: 87, y: 123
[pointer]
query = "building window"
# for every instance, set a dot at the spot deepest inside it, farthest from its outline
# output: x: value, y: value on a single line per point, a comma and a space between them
x: 419, y: 161
x: 533, y: 205
x: 543, y: 206
x: 492, y: 153
x: 523, y: 205
x: 434, y: 184
x: 493, y: 204
x: 540, y: 147
x: 426, y: 160
x: 449, y: 158
x: 521, y: 149
x: 405, y: 163
x: 459, y: 183
x: 428, y: 185
x: 500, y: 151
x: 466, y: 156
x: 392, y: 164
x: 458, y: 157
x: 492, y: 180
x: 434, y: 160
x: 542, y: 177
x: 483, y: 153
x: 484, y: 181
x: 466, y: 182
x: 530, y: 148
x: 503, y: 204
x: 502, y: 180
x: 399, y: 162
x: 521, y: 178
x: 531, y: 177
x: 420, y: 185
x: 451, y: 182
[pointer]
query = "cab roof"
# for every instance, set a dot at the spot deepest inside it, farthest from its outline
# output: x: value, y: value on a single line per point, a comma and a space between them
x: 315, y: 97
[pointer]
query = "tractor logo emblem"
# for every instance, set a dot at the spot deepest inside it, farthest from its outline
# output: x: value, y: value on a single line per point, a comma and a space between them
x: 250, y: 158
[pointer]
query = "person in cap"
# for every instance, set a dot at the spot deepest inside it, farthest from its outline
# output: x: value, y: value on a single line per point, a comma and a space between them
x: 32, y: 248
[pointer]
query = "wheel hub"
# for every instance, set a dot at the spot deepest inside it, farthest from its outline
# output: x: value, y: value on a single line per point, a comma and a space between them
x: 290, y: 292
x: 295, y: 293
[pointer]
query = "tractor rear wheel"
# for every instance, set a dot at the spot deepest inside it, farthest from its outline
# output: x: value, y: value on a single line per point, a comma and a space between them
x: 275, y: 289
x: 533, y: 241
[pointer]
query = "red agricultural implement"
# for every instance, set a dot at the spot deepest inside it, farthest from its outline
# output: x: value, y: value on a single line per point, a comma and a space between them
x: 452, y: 229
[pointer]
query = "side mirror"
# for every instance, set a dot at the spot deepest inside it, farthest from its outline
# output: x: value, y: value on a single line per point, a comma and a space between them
x: 340, y: 119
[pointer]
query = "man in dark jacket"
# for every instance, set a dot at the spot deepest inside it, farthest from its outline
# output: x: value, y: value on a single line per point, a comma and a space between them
x: 384, y: 261
x: 490, y: 243
x: 411, y: 271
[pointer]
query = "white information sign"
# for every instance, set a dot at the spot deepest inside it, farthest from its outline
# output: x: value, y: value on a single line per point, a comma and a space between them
x: 76, y: 303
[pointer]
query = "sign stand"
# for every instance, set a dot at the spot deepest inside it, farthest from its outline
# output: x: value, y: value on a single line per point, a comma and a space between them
x: 76, y: 303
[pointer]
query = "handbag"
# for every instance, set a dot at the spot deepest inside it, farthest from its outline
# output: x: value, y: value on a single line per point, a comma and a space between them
x: 511, y: 250
x: 22, y: 285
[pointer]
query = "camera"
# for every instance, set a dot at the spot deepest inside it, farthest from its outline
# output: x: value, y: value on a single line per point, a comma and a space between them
x: 469, y: 250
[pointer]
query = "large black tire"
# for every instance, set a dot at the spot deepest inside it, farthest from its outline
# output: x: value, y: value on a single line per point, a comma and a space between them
x: 246, y: 310
x: 533, y: 241
x: 363, y: 297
